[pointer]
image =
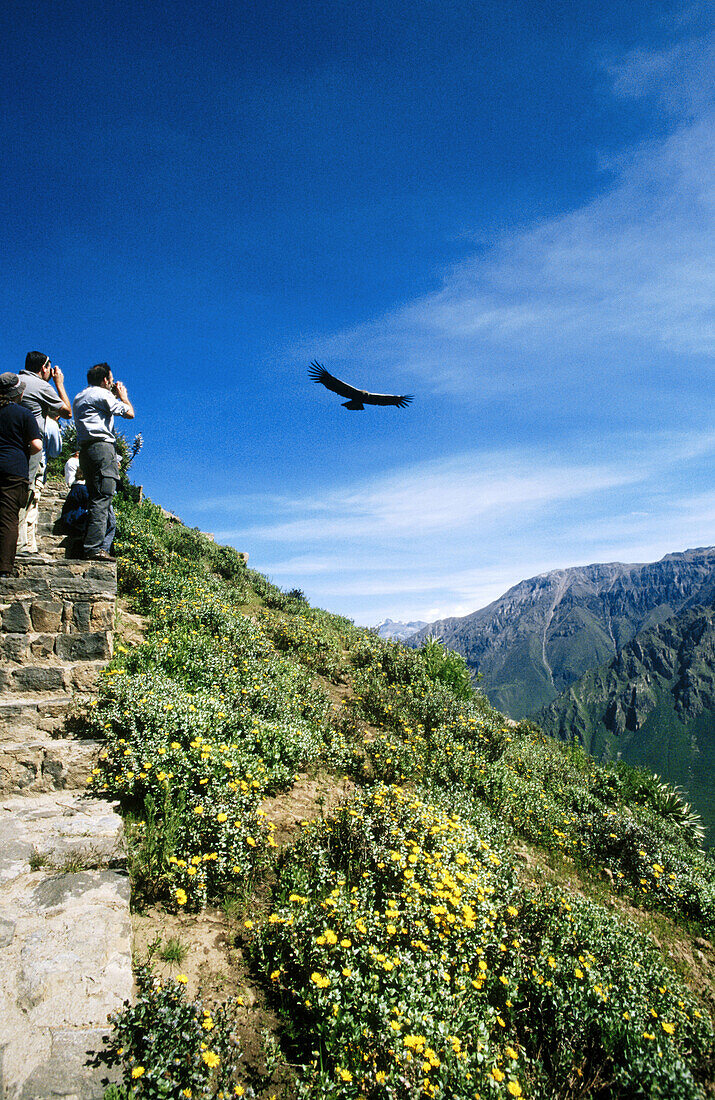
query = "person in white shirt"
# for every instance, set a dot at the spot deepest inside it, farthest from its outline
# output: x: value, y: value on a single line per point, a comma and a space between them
x: 94, y: 410
x: 71, y: 468
x: 43, y: 401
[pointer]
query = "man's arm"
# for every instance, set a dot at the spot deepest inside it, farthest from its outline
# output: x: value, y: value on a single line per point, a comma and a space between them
x: 121, y: 391
x: 34, y: 446
x: 59, y: 380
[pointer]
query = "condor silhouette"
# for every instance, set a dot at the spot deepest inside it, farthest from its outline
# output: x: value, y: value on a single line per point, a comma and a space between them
x: 358, y: 398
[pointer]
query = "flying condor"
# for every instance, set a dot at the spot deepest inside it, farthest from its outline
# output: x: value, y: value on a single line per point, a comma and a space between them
x: 358, y: 398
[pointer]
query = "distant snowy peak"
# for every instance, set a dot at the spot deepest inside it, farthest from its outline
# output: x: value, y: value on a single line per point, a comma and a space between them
x: 397, y: 632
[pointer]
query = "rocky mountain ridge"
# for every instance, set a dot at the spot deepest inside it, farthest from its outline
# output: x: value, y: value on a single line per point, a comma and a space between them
x: 545, y: 633
x: 652, y: 705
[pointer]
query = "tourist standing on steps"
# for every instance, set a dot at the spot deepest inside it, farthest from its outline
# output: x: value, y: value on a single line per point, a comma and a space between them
x: 43, y: 401
x: 20, y: 439
x: 94, y: 410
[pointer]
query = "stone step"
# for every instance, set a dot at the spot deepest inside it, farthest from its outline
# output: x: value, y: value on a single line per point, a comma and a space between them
x: 46, y: 764
x: 27, y: 715
x: 88, y: 646
x: 65, y: 942
x: 37, y: 573
x: 56, y: 597
x: 50, y: 677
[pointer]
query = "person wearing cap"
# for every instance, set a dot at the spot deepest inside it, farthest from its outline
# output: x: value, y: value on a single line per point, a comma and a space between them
x: 43, y: 401
x: 94, y: 410
x: 20, y: 439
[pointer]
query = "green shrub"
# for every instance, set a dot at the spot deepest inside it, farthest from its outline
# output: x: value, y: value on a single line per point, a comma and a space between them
x: 165, y: 1046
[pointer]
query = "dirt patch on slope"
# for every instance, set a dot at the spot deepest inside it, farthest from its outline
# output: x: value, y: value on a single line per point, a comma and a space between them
x: 309, y: 797
x: 217, y: 971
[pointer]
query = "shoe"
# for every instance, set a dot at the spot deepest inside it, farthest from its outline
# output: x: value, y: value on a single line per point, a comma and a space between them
x: 101, y: 555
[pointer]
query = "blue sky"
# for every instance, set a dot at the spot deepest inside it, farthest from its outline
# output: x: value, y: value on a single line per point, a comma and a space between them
x: 505, y: 208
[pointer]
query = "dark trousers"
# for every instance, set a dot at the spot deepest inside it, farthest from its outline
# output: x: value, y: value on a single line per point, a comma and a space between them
x: 99, y: 466
x: 13, y: 497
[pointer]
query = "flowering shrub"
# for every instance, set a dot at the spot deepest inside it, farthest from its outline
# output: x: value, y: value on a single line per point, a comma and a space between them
x: 594, y: 1002
x: 382, y: 946
x: 166, y: 1046
x: 411, y: 965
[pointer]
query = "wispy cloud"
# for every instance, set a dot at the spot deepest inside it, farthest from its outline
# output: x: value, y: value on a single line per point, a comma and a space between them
x: 631, y: 273
x: 454, y: 495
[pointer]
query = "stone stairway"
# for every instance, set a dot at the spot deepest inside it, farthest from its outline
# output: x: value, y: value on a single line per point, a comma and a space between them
x: 65, y: 932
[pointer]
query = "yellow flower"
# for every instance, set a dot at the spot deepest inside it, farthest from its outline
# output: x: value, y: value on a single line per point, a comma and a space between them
x: 222, y: 817
x: 182, y: 979
x: 187, y: 1093
x: 181, y: 897
x: 344, y: 1074
x: 138, y: 1071
x: 514, y: 1088
x: 667, y: 1028
x: 248, y: 924
x: 250, y: 841
x: 497, y: 1074
x: 211, y: 1058
x: 578, y: 972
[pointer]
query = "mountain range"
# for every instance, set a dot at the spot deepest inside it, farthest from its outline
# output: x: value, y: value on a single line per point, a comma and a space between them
x: 398, y: 632
x: 547, y: 632
x: 620, y: 656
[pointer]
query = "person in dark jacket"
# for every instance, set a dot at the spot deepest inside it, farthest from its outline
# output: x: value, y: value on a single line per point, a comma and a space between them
x: 75, y: 515
x: 20, y: 437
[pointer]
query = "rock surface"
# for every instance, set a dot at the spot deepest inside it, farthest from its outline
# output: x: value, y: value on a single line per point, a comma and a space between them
x: 65, y: 930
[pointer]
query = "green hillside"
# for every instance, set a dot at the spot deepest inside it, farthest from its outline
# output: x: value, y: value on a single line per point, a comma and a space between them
x: 470, y: 909
x: 654, y: 705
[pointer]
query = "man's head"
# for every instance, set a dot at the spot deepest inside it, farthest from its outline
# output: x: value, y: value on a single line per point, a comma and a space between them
x: 100, y: 375
x: 36, y: 362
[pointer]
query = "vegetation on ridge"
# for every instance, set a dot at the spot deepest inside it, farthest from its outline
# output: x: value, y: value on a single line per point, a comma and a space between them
x: 407, y: 949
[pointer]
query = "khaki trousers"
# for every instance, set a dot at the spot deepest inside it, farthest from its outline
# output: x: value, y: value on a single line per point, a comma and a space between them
x: 27, y: 524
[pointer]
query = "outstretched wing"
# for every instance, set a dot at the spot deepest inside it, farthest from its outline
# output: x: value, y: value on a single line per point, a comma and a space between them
x: 319, y: 374
x: 399, y: 399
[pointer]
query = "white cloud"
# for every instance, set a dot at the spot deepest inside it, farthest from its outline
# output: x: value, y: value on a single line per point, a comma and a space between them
x: 459, y: 494
x: 631, y: 273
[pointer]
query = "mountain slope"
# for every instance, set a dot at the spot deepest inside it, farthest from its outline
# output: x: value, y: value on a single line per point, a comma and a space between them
x: 545, y: 633
x: 653, y: 705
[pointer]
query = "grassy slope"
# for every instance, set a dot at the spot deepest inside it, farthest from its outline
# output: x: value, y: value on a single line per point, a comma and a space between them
x: 491, y: 913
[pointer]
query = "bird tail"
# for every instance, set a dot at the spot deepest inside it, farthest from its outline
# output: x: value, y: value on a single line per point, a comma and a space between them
x: 353, y: 404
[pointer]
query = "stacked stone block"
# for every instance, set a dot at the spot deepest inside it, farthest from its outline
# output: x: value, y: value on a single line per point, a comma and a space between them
x: 65, y: 931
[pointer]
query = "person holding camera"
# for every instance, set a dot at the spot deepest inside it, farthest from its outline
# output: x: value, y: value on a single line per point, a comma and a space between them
x: 43, y: 401
x: 94, y: 410
x: 20, y: 440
